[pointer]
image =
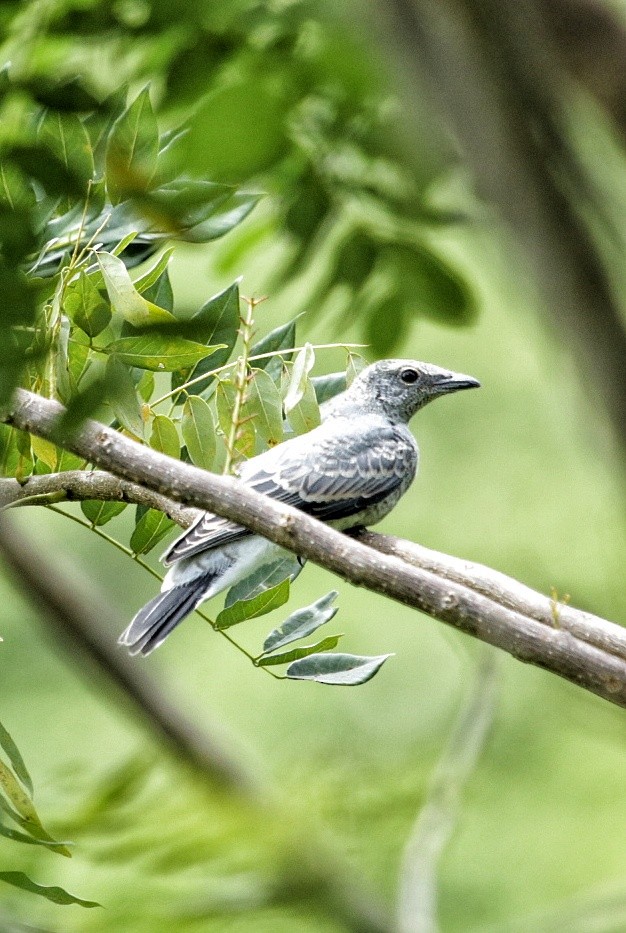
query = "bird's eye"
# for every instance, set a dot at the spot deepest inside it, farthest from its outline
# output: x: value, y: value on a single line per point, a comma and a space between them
x: 409, y: 376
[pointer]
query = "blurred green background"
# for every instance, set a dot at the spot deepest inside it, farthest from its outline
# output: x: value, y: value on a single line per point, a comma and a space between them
x: 525, y: 476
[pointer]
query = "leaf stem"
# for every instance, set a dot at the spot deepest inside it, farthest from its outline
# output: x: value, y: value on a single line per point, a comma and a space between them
x: 254, y: 359
x: 142, y: 563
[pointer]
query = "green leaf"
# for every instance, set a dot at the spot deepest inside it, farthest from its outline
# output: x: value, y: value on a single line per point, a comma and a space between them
x: 21, y: 809
x: 252, y: 608
x: 327, y: 387
x: 199, y: 432
x: 151, y: 527
x: 158, y: 352
x: 327, y: 644
x: 264, y: 406
x: 132, y: 149
x: 217, y: 322
x: 17, y: 836
x: 264, y: 578
x: 45, y: 451
x: 145, y: 386
x: 125, y: 298
x: 78, y: 357
x: 17, y: 762
x: 161, y: 293
x: 302, y: 622
x: 302, y: 366
x: 347, y: 670
x: 153, y: 274
x: 67, y: 138
x: 122, y: 396
x: 306, y: 414
x: 245, y: 440
x: 99, y: 513
x: 85, y: 306
x: 55, y: 894
x: 281, y: 338
x: 164, y: 437
x: 254, y: 109
x: 201, y: 210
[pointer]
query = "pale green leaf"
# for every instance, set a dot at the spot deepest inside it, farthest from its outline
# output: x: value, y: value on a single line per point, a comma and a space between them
x: 347, y: 670
x: 125, y: 298
x: 264, y: 406
x: 198, y: 432
x: 164, y: 436
x: 302, y: 622
x: 302, y: 366
x: 84, y: 305
x: 17, y: 762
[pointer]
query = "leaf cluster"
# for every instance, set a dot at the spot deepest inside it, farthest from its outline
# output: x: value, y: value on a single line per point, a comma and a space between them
x: 20, y: 822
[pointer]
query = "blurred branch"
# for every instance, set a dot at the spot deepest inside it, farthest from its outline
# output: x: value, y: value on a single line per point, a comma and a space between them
x: 597, y: 664
x: 493, y: 67
x: 83, y: 623
x: 80, y: 484
x: 417, y: 897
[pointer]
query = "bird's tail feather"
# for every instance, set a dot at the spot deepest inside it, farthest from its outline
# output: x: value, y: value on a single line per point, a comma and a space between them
x: 154, y: 622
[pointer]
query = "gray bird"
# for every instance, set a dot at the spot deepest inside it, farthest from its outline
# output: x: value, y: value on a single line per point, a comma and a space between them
x: 350, y: 472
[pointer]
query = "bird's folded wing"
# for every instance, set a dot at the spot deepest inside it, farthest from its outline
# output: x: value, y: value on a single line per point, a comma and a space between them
x: 330, y: 473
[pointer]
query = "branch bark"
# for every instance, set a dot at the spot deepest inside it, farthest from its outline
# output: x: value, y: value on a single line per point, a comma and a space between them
x: 503, y: 616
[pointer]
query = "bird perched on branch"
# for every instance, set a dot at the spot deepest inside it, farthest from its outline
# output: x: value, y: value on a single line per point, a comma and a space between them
x: 350, y: 472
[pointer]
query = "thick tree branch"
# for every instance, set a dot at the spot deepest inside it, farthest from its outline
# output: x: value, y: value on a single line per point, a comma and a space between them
x: 546, y: 643
x: 81, y: 484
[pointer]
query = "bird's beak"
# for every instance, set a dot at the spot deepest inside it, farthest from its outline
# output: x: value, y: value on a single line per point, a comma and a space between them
x: 445, y: 382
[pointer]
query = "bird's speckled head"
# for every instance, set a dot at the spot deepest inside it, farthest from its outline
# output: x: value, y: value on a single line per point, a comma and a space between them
x: 398, y: 389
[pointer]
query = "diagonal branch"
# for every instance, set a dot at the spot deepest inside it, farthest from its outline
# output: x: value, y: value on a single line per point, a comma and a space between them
x: 597, y: 664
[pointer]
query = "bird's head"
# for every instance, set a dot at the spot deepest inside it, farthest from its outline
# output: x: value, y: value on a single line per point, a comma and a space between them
x: 399, y: 388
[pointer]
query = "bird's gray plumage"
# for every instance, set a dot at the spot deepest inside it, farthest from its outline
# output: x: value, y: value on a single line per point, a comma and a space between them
x: 350, y: 471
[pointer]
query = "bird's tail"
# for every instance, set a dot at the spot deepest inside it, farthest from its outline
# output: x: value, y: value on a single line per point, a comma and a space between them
x: 155, y: 621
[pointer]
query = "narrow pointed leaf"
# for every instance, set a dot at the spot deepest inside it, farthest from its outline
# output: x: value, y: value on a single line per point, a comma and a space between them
x: 302, y: 622
x: 55, y: 894
x: 264, y: 406
x: 164, y: 437
x: 252, y: 608
x: 217, y: 322
x: 17, y: 762
x: 286, y: 657
x: 199, y: 432
x: 264, y: 578
x: 302, y: 366
x: 132, y: 149
x: 281, y: 338
x: 347, y: 670
x: 67, y: 138
x: 149, y: 530
x: 158, y: 352
x: 154, y: 273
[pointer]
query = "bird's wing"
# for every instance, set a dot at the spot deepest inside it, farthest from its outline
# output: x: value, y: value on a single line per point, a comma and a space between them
x: 333, y: 472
